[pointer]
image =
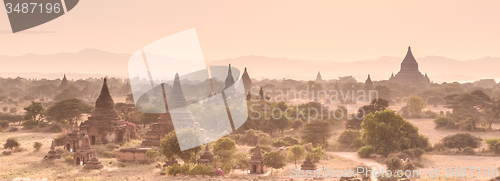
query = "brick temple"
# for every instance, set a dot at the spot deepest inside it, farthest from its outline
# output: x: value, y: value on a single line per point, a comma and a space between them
x: 409, y: 73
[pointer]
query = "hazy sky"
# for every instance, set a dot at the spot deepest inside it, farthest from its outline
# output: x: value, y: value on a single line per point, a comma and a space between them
x: 311, y: 30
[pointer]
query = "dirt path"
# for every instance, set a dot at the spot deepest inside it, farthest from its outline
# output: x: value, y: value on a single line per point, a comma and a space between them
x: 374, y: 165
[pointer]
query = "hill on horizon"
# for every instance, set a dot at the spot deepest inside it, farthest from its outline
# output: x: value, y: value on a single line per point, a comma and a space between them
x: 96, y: 63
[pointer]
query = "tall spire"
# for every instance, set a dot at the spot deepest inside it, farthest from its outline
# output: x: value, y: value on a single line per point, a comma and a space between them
x: 247, y: 82
x: 318, y: 77
x: 104, y: 99
x: 229, y: 79
x: 409, y: 57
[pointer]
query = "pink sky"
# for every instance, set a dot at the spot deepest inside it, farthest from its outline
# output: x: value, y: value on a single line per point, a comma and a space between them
x: 311, y: 30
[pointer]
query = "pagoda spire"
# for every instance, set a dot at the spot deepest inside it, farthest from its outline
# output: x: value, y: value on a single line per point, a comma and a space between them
x: 229, y: 79
x: 247, y: 82
x: 104, y: 99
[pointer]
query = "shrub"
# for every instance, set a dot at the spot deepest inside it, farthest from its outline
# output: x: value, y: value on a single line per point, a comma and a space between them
x: 59, y: 140
x: 173, y: 170
x: 350, y: 139
x: 418, y: 152
x: 264, y: 149
x: 68, y: 159
x: 186, y: 168
x: 202, y: 169
x: 55, y: 128
x: 491, y: 142
x: 410, y: 153
x: 264, y: 139
x: 11, y: 143
x: 6, y: 153
x: 13, y: 129
x: 393, y: 163
x: 316, y: 154
x: 4, y: 124
x: 250, y: 138
x: 290, y: 140
x: 365, y: 151
x: 112, y: 146
x: 442, y: 121
x: 496, y: 148
x: 469, y: 151
x: 462, y: 140
x: 438, y: 146
x: 37, y: 146
x: 279, y: 143
x: 403, y: 156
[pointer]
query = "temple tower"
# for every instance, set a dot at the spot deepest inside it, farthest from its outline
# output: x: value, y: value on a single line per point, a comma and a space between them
x: 368, y: 84
x: 256, y: 166
x: 105, y: 125
x: 229, y: 79
x: 93, y: 163
x: 52, y: 153
x: 207, y: 157
x: 247, y: 82
x: 409, y: 73
x: 177, y: 105
x: 308, y: 165
x: 318, y: 77
x: 160, y: 129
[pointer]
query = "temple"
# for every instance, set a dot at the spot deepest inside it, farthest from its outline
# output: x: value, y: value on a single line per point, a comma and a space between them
x: 247, y: 82
x: 409, y: 73
x: 368, y: 84
x: 52, y: 153
x: 74, y: 139
x: 207, y: 157
x: 64, y: 83
x: 177, y: 105
x: 308, y: 165
x: 256, y: 165
x: 229, y: 79
x: 105, y: 125
x: 160, y: 129
x: 318, y: 77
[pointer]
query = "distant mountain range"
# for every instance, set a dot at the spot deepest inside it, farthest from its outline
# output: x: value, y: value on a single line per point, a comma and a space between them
x: 98, y: 63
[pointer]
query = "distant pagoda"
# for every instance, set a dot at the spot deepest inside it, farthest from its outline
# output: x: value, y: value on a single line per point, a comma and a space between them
x: 247, y: 82
x: 368, y: 84
x: 318, y: 77
x: 178, y: 106
x: 409, y: 73
x: 229, y: 79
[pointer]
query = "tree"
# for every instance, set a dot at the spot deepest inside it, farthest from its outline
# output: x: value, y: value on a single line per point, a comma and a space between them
x: 386, y: 132
x: 317, y: 132
x: 13, y: 110
x: 462, y: 140
x: 152, y: 154
x: 125, y: 109
x: 393, y: 164
x: 68, y: 111
x: 296, y: 152
x: 11, y: 143
x: 365, y: 151
x: 374, y: 106
x: 34, y: 112
x: 37, y: 146
x: 315, y: 154
x: 224, y: 148
x: 169, y: 146
x: 475, y: 107
x: 66, y: 94
x: 5, y: 109
x: 274, y: 159
x: 415, y: 104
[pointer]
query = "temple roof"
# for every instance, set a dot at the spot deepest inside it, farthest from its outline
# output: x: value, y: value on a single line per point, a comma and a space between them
x: 257, y: 153
x: 176, y: 98
x: 104, y: 99
x: 247, y: 82
x: 368, y: 80
x: 409, y: 57
x: 318, y: 77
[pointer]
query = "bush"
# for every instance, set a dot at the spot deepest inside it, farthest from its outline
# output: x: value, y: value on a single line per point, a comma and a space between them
x: 59, y: 140
x: 461, y: 140
x: 68, y: 159
x: 112, y: 146
x: 418, y: 152
x: 438, y: 146
x: 365, y: 151
x: 173, y: 170
x: 393, y: 163
x: 350, y: 139
x: 496, y: 148
x: 6, y: 153
x: 250, y: 138
x: 37, y: 146
x: 491, y: 142
x: 279, y: 143
x: 202, y: 169
x: 13, y: 129
x: 11, y: 143
x: 186, y: 168
x: 403, y: 156
x: 469, y: 151
x: 4, y: 124
x: 442, y: 121
x: 264, y: 139
x: 264, y: 149
x: 55, y: 128
x: 410, y: 153
x: 290, y: 140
